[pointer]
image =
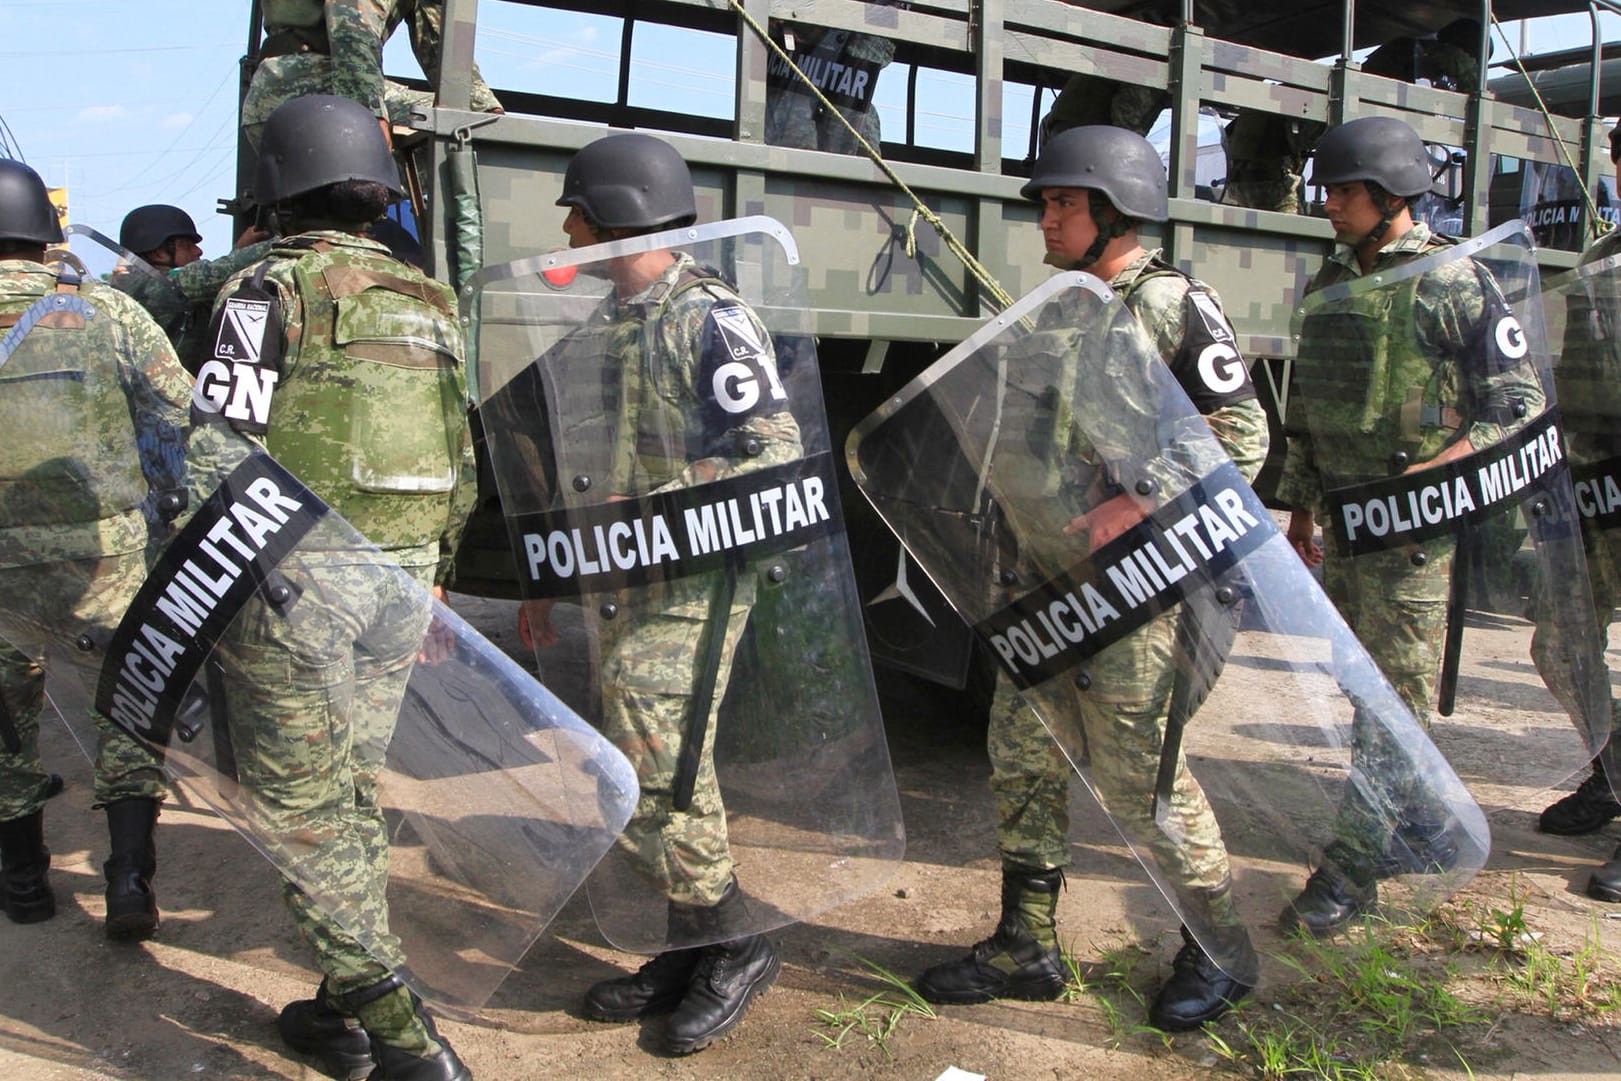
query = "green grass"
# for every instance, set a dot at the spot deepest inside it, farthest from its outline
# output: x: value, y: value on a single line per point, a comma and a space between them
x: 874, y: 1019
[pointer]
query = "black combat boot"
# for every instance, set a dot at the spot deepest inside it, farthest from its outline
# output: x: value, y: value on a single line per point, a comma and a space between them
x: 1332, y: 898
x: 132, y: 907
x: 1605, y: 885
x: 313, y: 1026
x: 1198, y: 990
x: 1021, y: 959
x: 23, y: 863
x: 404, y: 1042
x: 727, y: 977
x: 1584, y: 810
x: 658, y: 985
x: 1418, y: 848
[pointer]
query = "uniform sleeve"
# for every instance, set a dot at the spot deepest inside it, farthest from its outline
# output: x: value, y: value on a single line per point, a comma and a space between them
x: 159, y: 394
x: 201, y: 281
x: 735, y: 401
x: 1462, y: 317
x: 465, y: 495
x: 355, y: 30
x: 427, y: 33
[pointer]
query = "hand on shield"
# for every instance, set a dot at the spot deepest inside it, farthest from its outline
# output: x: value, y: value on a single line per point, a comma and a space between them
x: 1107, y: 521
x: 535, y: 628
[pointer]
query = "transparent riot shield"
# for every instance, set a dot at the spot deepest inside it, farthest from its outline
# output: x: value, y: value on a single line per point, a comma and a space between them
x: 1583, y: 311
x: 411, y: 781
x: 108, y: 261
x: 652, y: 415
x: 1060, y: 488
x: 1424, y: 399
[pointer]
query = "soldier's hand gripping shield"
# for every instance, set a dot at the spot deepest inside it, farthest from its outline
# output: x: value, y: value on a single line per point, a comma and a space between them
x: 1062, y: 491
x: 1583, y: 312
x: 414, y: 785
x: 653, y: 417
x: 1450, y: 525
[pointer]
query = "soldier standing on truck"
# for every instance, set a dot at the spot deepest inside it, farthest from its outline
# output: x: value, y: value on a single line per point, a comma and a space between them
x: 180, y: 296
x: 336, y: 47
x: 844, y: 66
x: 1096, y: 184
x: 93, y: 403
x: 1396, y: 374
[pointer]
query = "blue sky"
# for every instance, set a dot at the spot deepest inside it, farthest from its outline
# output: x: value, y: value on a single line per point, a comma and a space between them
x: 126, y: 102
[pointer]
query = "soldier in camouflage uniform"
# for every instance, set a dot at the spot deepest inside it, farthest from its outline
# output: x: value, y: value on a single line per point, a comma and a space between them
x: 844, y: 66
x: 1394, y: 600
x: 81, y: 457
x: 1585, y: 376
x: 369, y: 411
x: 1093, y: 101
x: 661, y: 330
x: 166, y: 238
x: 1096, y: 184
x: 336, y: 47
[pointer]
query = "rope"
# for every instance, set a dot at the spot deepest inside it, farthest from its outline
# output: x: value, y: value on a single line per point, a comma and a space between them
x: 920, y: 209
x: 1595, y: 224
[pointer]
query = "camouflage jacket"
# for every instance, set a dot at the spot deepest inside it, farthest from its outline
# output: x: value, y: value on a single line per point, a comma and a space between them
x: 351, y: 33
x: 93, y: 405
x: 844, y: 66
x: 181, y: 299
x: 370, y: 405
x: 1389, y: 377
x: 675, y: 354
x: 1587, y: 362
x: 1159, y: 297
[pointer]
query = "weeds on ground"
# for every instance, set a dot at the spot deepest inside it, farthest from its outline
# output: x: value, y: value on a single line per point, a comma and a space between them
x: 1361, y: 1004
x: 876, y: 1017
x: 1108, y: 984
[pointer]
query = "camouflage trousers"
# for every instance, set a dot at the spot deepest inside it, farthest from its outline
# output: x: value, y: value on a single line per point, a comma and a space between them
x: 649, y: 666
x: 313, y: 692
x: 1398, y: 611
x: 799, y: 120
x: 1113, y: 731
x: 1552, y: 653
x: 56, y: 603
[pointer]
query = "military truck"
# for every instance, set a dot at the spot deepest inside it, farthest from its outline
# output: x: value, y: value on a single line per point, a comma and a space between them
x: 889, y: 292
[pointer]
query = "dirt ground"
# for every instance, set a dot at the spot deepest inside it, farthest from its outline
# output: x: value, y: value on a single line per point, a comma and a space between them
x: 200, y: 999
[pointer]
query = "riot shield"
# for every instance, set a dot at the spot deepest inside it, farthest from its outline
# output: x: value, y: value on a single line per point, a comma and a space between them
x: 1423, y: 396
x: 1583, y: 310
x: 410, y: 780
x: 1062, y: 491
x: 127, y: 272
x: 652, y: 415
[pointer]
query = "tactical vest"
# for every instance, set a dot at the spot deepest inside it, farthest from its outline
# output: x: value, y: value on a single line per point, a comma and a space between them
x: 374, y: 414
x: 68, y: 454
x: 654, y: 438
x: 846, y: 81
x: 1366, y: 388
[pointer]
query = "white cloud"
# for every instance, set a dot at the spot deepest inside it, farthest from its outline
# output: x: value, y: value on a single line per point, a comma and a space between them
x: 95, y: 114
x: 177, y: 120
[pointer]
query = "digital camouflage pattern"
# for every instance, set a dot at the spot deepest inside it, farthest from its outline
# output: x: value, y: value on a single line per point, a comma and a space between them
x: 94, y: 410
x: 656, y: 342
x: 844, y: 66
x: 1092, y: 99
x: 1123, y: 709
x: 336, y: 47
x: 1266, y: 160
x: 369, y: 412
x: 1384, y: 381
x: 370, y: 408
x: 181, y: 299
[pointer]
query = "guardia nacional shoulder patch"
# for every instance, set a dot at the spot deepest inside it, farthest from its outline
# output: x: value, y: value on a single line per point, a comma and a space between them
x: 243, y: 361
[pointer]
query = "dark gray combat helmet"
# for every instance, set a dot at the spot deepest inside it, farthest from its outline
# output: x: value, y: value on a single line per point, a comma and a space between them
x: 630, y: 181
x: 146, y: 228
x: 1121, y: 164
x: 320, y: 139
x: 1374, y: 149
x: 26, y: 213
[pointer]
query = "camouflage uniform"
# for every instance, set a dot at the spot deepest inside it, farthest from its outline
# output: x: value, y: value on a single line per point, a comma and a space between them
x: 1408, y: 397
x: 94, y: 411
x: 181, y: 299
x: 1123, y: 711
x: 1585, y: 379
x: 1092, y: 99
x: 336, y: 47
x: 1266, y: 154
x: 658, y: 344
x: 370, y: 413
x: 844, y: 66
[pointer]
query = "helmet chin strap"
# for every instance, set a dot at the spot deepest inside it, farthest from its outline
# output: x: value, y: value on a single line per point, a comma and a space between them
x: 1101, y: 209
x: 1383, y: 197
